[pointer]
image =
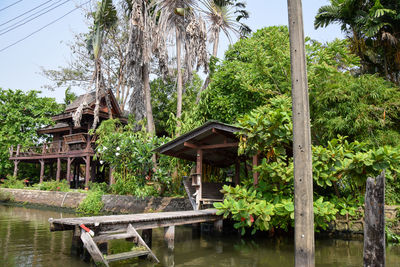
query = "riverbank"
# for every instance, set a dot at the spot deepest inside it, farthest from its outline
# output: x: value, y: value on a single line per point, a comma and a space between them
x: 112, y: 203
x: 342, y: 226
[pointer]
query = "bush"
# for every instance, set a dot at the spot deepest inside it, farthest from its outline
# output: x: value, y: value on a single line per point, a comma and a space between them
x: 13, y: 182
x: 92, y: 204
x: 62, y: 186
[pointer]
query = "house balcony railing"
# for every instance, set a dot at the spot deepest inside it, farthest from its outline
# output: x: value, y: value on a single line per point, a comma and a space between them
x: 71, y: 143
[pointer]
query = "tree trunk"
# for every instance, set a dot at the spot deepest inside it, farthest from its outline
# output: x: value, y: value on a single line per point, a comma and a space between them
x: 207, y: 81
x: 179, y: 76
x: 147, y: 93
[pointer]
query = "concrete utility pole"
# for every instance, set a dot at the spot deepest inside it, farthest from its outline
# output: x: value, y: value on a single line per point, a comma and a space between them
x: 303, y: 180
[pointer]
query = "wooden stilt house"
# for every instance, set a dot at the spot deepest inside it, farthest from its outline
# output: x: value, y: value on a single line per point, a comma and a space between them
x: 214, y: 144
x: 72, y: 146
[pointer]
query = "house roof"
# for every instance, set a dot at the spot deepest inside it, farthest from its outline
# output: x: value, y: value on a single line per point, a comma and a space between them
x: 90, y: 98
x: 217, y: 140
x: 58, y: 127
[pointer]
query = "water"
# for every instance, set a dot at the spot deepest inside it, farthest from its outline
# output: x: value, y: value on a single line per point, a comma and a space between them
x: 25, y: 240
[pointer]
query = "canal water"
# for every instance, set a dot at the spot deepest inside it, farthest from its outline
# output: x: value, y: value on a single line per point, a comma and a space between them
x: 25, y: 240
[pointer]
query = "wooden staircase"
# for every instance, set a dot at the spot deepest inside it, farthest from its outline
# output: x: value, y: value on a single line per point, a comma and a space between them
x: 91, y: 245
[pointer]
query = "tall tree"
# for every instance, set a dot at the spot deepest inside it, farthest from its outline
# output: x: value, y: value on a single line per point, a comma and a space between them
x: 178, y: 18
x: 221, y: 16
x: 78, y: 74
x: 139, y: 54
x: 373, y: 29
x: 104, y: 20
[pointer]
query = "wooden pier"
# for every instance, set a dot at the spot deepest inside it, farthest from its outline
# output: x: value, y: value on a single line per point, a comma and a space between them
x: 105, y: 228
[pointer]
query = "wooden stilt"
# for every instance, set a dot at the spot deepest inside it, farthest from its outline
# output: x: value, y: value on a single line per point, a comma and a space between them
x: 16, y: 162
x: 41, y: 170
x: 87, y: 172
x: 219, y: 226
x: 169, y: 236
x: 68, y: 169
x: 58, y: 174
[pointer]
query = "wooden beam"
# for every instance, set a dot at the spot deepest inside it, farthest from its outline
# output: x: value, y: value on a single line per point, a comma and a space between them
x: 302, y: 157
x: 214, y: 146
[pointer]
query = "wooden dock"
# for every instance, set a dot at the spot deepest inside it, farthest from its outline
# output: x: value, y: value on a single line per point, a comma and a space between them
x: 105, y: 228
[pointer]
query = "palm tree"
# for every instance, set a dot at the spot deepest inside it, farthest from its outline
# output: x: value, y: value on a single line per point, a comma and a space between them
x: 221, y: 16
x: 178, y: 18
x: 372, y: 30
x: 105, y: 19
x: 139, y: 53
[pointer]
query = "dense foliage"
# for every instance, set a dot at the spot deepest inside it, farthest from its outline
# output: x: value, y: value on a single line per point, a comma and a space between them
x: 256, y: 69
x: 373, y: 29
x: 252, y: 87
x: 340, y: 170
x: 130, y: 154
x: 21, y: 115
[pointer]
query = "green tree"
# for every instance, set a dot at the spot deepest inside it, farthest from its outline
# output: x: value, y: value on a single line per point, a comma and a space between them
x: 21, y: 115
x: 373, y: 27
x: 256, y: 69
x: 179, y: 19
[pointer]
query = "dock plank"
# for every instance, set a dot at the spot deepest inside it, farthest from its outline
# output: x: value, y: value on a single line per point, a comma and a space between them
x: 138, y: 221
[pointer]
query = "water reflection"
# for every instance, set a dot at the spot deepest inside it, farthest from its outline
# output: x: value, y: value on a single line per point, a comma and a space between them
x: 25, y: 240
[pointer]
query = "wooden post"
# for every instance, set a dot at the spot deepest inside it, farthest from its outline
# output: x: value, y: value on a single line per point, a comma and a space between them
x: 303, y: 182
x: 87, y: 172
x: 16, y: 162
x: 58, y: 174
x: 219, y: 226
x: 237, y: 172
x: 255, y: 174
x: 374, y: 222
x: 169, y: 236
x: 41, y: 170
x: 68, y: 169
x: 199, y: 170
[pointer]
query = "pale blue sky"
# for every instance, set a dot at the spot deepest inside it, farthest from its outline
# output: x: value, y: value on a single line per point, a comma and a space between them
x: 20, y: 64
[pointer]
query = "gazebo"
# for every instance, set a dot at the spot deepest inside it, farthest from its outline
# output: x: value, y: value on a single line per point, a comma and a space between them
x: 214, y: 143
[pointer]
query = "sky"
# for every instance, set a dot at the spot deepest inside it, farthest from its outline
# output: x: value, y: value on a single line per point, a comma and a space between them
x: 21, y: 63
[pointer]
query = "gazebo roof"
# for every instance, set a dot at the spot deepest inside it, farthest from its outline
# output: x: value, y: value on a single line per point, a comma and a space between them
x: 217, y: 140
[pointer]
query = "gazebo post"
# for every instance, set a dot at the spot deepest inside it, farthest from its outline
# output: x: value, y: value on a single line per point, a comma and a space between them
x: 199, y: 169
